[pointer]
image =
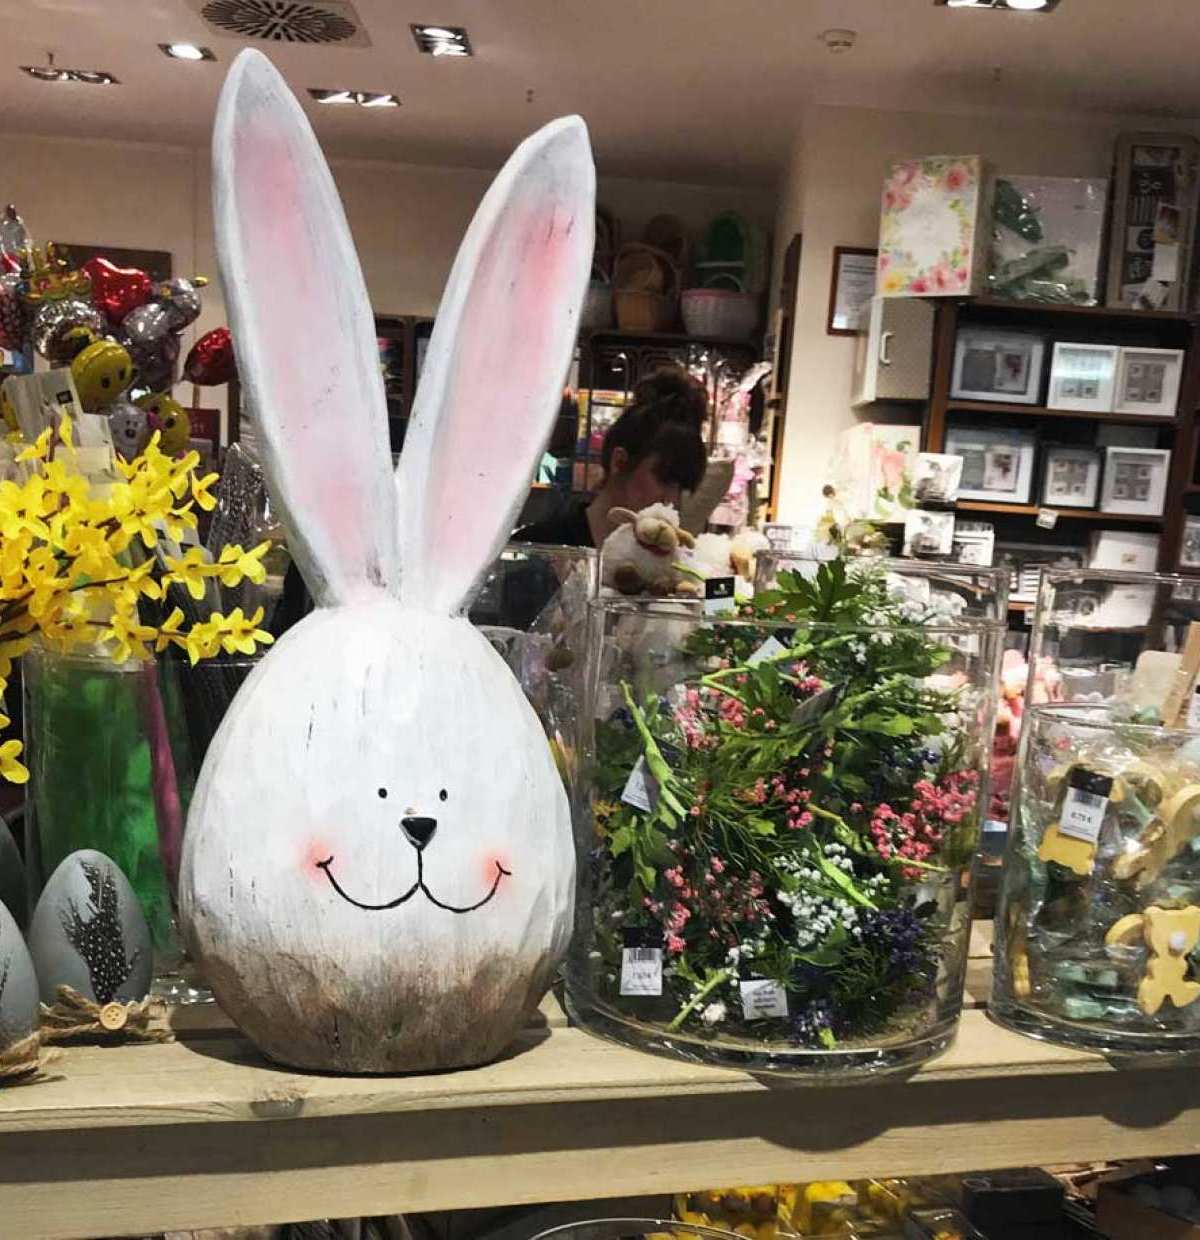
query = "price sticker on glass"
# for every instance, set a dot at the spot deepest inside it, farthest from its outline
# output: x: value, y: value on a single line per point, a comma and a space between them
x: 1085, y: 805
x: 641, y: 964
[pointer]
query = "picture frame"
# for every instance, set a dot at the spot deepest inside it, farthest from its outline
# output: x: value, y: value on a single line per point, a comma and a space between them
x: 928, y: 535
x: 997, y: 462
x: 1003, y: 366
x: 936, y: 478
x: 851, y: 288
x: 1135, y: 481
x: 1070, y: 477
x: 1148, y: 382
x: 1189, y: 551
x: 1083, y: 377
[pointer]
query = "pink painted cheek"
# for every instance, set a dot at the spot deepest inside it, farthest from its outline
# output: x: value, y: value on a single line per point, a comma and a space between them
x: 487, y: 870
x: 313, y: 852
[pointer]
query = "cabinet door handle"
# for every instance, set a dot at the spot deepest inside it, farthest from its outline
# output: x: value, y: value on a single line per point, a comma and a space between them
x: 885, y: 356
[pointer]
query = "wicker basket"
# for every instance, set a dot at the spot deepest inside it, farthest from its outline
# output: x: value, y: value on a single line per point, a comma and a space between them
x: 722, y: 312
x: 643, y: 312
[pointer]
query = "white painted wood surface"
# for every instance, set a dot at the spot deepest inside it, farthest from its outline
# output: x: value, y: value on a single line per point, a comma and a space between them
x: 203, y: 1132
x: 378, y: 867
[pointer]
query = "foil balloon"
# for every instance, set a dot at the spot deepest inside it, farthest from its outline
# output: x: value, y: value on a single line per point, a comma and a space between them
x: 117, y: 290
x: 14, y: 239
x: 210, y: 361
x: 101, y: 372
x: 167, y: 416
x: 53, y: 321
x: 180, y: 298
x: 130, y: 428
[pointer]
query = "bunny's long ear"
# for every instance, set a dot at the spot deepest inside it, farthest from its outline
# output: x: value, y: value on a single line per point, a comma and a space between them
x: 493, y: 377
x: 304, y: 336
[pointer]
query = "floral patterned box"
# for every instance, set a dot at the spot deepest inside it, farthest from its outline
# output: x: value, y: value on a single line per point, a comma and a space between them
x: 935, y: 227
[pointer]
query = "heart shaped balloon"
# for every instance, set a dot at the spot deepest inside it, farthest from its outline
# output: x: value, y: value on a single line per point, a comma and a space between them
x: 210, y: 361
x: 117, y: 290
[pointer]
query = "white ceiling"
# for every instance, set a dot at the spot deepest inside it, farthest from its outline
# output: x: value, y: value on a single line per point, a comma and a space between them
x: 701, y: 90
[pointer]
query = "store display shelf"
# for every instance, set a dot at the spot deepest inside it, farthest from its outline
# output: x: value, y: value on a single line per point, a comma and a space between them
x: 1040, y: 411
x: 1075, y: 514
x: 1029, y: 308
x: 204, y: 1132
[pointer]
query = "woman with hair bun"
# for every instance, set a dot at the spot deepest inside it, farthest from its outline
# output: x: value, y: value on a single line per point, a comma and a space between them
x: 652, y: 453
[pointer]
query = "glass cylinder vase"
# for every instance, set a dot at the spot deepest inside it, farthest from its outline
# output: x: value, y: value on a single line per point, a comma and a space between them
x: 776, y: 844
x: 1098, y: 926
x: 114, y: 751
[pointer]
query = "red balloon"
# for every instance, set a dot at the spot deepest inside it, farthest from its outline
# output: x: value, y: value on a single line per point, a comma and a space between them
x: 210, y: 361
x: 117, y: 290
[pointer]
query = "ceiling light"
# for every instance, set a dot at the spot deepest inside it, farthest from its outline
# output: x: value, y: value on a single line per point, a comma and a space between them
x: 361, y: 98
x: 1020, y: 6
x: 1027, y: 4
x: 50, y: 72
x: 442, y: 40
x: 186, y: 51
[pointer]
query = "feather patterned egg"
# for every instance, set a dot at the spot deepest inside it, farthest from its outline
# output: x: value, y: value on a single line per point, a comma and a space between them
x: 18, y: 985
x: 88, y: 932
x: 12, y: 877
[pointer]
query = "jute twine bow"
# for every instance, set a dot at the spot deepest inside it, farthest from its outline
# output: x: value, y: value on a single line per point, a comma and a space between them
x: 76, y: 1016
x: 23, y: 1059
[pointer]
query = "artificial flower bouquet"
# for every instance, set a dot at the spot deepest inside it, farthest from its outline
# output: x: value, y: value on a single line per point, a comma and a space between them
x: 785, y: 804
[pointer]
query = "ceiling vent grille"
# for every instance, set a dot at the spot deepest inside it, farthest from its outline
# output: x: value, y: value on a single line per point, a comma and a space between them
x: 286, y: 21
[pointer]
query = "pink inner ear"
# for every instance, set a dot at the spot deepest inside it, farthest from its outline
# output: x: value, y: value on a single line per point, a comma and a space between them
x: 511, y: 319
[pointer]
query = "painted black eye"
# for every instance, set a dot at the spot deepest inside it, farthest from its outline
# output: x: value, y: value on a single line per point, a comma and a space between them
x: 383, y: 794
x: 106, y: 382
x: 443, y: 795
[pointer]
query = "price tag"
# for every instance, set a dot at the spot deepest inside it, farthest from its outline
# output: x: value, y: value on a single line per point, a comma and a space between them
x: 641, y: 788
x: 762, y: 998
x: 641, y: 963
x: 1085, y: 805
x: 719, y: 596
x: 772, y: 648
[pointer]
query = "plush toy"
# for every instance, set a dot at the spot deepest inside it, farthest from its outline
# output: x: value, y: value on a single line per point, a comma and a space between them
x: 644, y: 554
x: 722, y: 555
x: 378, y: 865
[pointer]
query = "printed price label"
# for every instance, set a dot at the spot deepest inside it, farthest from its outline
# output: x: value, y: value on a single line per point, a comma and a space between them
x: 641, y: 788
x: 1047, y: 519
x: 762, y: 998
x: 719, y: 596
x: 641, y: 963
x: 770, y: 649
x: 1084, y: 806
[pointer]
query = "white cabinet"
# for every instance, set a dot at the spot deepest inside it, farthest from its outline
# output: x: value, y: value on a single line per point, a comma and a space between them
x: 894, y: 358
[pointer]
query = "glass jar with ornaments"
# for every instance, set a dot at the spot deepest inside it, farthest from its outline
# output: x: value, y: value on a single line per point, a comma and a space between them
x: 783, y: 800
x: 1098, y: 928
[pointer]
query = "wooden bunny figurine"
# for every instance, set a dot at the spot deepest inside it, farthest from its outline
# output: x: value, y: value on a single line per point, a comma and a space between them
x: 378, y: 866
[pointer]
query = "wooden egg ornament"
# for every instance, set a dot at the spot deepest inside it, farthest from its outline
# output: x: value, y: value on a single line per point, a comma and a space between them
x: 378, y: 865
x: 88, y: 932
x: 18, y: 989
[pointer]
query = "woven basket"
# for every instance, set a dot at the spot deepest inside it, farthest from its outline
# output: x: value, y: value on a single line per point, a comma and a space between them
x: 721, y: 312
x: 643, y: 312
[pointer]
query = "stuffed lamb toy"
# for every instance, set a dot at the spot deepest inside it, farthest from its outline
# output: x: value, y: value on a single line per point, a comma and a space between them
x: 378, y: 866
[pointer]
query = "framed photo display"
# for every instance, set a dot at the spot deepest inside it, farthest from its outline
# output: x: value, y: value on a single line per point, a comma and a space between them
x: 1189, y: 553
x: 997, y: 462
x: 1148, y: 382
x: 851, y: 291
x: 1071, y: 478
x: 1135, y: 481
x: 997, y: 365
x: 1083, y: 377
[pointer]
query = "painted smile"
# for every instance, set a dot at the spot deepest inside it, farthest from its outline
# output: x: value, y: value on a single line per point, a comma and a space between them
x: 419, y: 885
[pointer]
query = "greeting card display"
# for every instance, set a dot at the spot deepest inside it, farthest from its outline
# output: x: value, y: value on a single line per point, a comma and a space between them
x: 935, y: 226
x: 378, y: 865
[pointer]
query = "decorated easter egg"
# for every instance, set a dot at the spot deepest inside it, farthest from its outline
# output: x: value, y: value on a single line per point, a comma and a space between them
x: 12, y: 877
x: 18, y: 985
x: 88, y: 932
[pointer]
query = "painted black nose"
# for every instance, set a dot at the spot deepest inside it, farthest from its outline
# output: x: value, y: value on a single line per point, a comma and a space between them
x: 419, y: 830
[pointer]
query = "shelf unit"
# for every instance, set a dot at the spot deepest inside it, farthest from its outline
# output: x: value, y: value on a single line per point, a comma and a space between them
x: 1162, y: 329
x: 203, y: 1132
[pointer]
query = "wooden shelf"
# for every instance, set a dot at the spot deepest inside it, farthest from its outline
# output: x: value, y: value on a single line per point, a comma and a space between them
x: 1040, y: 411
x: 203, y: 1132
x: 1091, y: 312
x: 1074, y: 514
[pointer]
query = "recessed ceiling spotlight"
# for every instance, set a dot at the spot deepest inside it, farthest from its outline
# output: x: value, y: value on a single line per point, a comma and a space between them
x: 360, y: 98
x: 186, y: 51
x: 442, y: 40
x: 1020, y: 6
x: 50, y: 72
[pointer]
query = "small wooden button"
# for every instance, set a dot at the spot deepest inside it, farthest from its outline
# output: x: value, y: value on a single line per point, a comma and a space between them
x: 113, y: 1017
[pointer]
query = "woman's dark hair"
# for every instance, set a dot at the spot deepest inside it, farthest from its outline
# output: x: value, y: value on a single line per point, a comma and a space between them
x: 664, y: 421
